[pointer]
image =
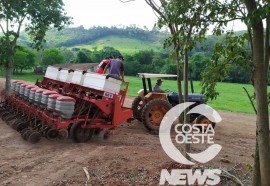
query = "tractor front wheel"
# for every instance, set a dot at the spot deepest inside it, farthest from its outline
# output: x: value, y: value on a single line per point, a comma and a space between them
x: 79, y: 134
x: 137, y: 106
x: 153, y: 113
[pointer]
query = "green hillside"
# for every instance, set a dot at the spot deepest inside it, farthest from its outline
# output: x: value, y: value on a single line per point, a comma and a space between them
x: 128, y: 39
x: 124, y: 44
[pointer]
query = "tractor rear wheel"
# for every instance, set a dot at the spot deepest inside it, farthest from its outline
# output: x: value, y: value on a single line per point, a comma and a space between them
x: 137, y: 106
x: 205, y: 121
x: 79, y: 134
x: 153, y: 113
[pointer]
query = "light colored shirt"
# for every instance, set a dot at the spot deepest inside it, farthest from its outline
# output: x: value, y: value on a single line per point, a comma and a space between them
x: 158, y: 89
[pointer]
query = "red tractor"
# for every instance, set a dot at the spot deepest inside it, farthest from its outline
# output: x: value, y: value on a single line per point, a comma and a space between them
x: 66, y: 103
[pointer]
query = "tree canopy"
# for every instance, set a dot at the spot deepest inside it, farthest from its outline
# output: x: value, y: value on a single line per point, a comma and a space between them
x: 52, y: 56
x: 23, y: 59
x: 36, y: 17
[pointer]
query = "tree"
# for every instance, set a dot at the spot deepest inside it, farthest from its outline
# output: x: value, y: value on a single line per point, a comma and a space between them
x: 227, y: 54
x: 170, y: 68
x: 158, y: 63
x: 3, y: 50
x: 96, y: 56
x: 165, y: 20
x: 20, y: 59
x: 238, y: 74
x: 109, y: 51
x: 261, y: 50
x: 52, y: 56
x: 68, y: 55
x: 144, y: 57
x: 23, y: 59
x: 133, y: 67
x: 186, y: 22
x: 82, y: 57
x: 198, y: 62
x: 36, y: 17
x: 253, y: 13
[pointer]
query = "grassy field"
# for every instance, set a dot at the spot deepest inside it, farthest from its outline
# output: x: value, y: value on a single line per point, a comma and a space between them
x: 123, y: 44
x: 31, y: 78
x: 231, y: 95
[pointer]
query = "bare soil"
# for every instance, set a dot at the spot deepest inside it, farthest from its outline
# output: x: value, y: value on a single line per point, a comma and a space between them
x: 132, y: 156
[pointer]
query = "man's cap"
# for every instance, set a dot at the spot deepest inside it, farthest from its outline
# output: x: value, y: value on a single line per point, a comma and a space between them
x: 121, y: 57
x: 159, y: 81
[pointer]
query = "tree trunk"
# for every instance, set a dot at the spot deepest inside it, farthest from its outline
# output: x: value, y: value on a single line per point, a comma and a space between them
x: 179, y: 85
x: 186, y: 76
x: 9, y: 70
x: 267, y: 45
x: 186, y: 118
x: 256, y: 179
x: 260, y: 85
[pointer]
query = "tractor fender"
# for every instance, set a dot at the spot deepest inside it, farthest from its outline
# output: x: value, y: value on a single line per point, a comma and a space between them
x: 141, y: 93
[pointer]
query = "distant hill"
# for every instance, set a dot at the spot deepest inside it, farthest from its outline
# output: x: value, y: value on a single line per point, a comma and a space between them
x: 126, y: 45
x: 128, y: 39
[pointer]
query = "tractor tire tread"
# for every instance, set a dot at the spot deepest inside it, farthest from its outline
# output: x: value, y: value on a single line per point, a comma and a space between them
x: 145, y: 113
x: 136, y: 113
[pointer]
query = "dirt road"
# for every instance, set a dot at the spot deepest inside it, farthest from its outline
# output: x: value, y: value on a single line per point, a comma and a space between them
x: 131, y: 157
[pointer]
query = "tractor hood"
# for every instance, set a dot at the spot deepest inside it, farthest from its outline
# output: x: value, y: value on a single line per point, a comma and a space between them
x: 173, y: 97
x: 196, y: 97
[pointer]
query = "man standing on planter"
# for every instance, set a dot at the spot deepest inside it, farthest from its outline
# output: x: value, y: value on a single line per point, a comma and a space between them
x: 116, y: 68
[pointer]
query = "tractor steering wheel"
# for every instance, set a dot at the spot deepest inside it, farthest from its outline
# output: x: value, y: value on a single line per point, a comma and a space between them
x: 167, y: 90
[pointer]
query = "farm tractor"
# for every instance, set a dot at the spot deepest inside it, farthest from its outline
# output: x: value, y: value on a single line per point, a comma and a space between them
x: 149, y: 107
x: 66, y: 103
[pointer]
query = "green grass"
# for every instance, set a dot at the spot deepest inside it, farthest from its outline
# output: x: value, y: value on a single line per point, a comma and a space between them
x: 29, y: 77
x: 232, y: 96
x: 123, y: 44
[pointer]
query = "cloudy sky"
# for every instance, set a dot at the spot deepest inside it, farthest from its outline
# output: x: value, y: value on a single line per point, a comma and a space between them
x: 115, y: 13
x: 110, y: 13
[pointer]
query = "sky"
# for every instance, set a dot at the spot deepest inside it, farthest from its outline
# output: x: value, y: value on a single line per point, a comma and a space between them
x: 89, y: 13
x: 110, y: 13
